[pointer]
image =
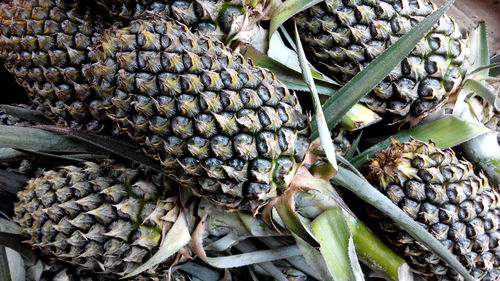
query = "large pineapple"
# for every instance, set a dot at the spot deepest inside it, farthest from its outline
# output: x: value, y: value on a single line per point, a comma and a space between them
x: 221, y: 18
x: 104, y: 217
x: 44, y: 44
x: 341, y: 37
x: 218, y: 124
x: 445, y: 196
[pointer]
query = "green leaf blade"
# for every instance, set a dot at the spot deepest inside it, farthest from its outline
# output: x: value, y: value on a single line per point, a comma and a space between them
x: 333, y: 234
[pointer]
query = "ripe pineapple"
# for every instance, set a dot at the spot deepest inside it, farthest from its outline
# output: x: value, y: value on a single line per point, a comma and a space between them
x: 104, y: 217
x: 218, y: 124
x: 44, y: 45
x: 341, y: 37
x: 445, y: 196
x: 220, y: 18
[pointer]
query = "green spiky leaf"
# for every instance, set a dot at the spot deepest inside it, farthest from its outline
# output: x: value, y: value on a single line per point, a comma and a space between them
x: 4, y: 265
x: 324, y: 133
x: 314, y: 259
x: 40, y: 140
x: 336, y: 246
x: 121, y: 148
x: 14, y: 241
x: 12, y: 182
x: 291, y: 78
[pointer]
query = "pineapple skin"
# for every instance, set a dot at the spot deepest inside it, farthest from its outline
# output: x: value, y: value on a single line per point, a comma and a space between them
x: 104, y: 217
x: 341, y: 37
x: 446, y: 197
x: 44, y: 45
x: 219, y: 125
x: 220, y: 18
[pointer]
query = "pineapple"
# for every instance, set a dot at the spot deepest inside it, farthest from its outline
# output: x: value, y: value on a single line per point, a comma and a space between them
x: 220, y: 18
x: 44, y: 45
x: 104, y: 217
x: 218, y: 124
x: 341, y: 37
x: 446, y: 197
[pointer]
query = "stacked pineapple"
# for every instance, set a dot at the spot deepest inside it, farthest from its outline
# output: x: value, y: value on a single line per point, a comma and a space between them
x: 219, y: 18
x: 44, y: 45
x: 225, y: 128
x: 342, y: 37
x: 448, y: 199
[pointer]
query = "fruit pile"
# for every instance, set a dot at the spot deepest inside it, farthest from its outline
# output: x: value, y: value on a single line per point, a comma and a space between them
x: 174, y: 139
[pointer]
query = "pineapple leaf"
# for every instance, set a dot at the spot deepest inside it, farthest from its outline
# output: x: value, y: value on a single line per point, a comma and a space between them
x: 479, y: 45
x: 490, y: 66
x: 350, y: 154
x: 291, y: 78
x: 120, y: 148
x: 336, y: 245
x: 4, y: 265
x: 200, y: 271
x: 249, y: 258
x: 324, y: 133
x: 298, y: 262
x: 25, y: 114
x: 70, y: 158
x: 14, y: 241
x: 287, y: 10
x: 338, y: 105
x: 177, y: 237
x: 9, y: 226
x: 481, y: 90
x: 9, y: 155
x: 286, y: 210
x: 268, y: 267
x: 12, y: 182
x: 17, y: 265
x: 495, y: 71
x: 375, y: 253
x: 484, y: 152
x: 40, y: 140
x: 314, y: 259
x: 364, y: 190
x: 445, y: 132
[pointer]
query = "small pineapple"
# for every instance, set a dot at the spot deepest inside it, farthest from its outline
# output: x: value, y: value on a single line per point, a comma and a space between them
x: 341, y: 37
x: 218, y: 124
x: 44, y: 45
x: 446, y: 197
x: 221, y: 18
x: 104, y: 217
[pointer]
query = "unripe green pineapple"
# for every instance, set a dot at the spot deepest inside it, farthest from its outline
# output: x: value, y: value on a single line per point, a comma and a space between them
x: 220, y: 18
x: 341, y: 37
x: 104, y: 217
x: 446, y: 197
x: 218, y: 124
x: 44, y: 44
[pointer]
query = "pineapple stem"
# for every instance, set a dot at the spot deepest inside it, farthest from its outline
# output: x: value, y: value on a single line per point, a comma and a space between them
x: 375, y: 254
x: 371, y: 250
